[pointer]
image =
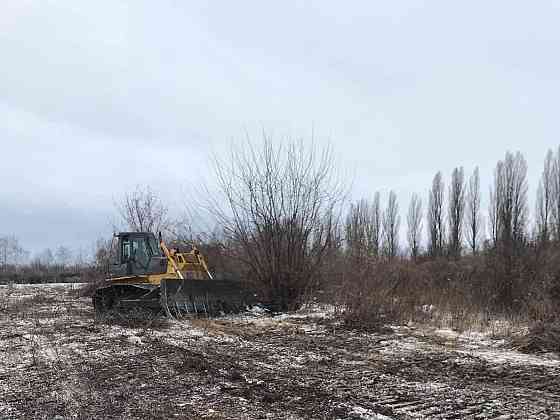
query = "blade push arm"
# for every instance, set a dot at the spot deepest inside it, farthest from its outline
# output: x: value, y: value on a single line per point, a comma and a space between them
x: 171, y: 259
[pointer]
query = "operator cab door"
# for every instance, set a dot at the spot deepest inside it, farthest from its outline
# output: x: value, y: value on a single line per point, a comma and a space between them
x: 138, y: 254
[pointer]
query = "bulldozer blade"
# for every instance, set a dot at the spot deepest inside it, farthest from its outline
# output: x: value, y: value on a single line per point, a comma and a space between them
x: 204, y: 296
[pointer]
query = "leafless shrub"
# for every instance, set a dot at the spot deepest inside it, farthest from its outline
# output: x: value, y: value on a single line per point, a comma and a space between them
x: 279, y: 208
x: 373, y: 294
x: 460, y: 294
x: 143, y: 211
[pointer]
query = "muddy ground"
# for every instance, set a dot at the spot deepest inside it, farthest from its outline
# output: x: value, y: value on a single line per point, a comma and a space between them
x: 56, y: 361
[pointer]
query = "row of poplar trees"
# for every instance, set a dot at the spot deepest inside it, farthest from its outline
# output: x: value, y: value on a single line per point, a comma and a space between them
x: 453, y: 221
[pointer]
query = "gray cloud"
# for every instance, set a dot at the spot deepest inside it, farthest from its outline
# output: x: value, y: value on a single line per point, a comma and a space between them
x: 89, y: 89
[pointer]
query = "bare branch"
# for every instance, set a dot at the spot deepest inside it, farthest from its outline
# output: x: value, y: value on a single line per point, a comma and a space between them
x: 142, y: 211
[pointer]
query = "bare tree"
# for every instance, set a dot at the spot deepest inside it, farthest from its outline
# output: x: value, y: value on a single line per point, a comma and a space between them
x: 496, y: 196
x: 5, y: 251
x: 45, y: 258
x: 414, y: 222
x: 435, y: 217
x: 376, y: 228
x: 281, y: 214
x: 473, y: 218
x: 11, y: 253
x: 508, y: 198
x: 81, y: 257
x: 544, y: 204
x: 143, y: 211
x: 102, y: 255
x: 555, y: 205
x: 356, y: 228
x: 391, y: 225
x: 511, y: 188
x: 509, y: 215
x: 363, y: 228
x: 63, y: 256
x: 456, y: 211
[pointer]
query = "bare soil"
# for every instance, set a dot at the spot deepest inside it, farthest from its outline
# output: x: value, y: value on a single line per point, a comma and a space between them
x: 57, y: 361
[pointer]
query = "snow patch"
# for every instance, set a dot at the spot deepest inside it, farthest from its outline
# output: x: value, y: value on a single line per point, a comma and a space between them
x: 366, y: 414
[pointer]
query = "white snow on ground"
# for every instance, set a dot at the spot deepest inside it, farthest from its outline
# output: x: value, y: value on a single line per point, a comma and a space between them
x: 309, y: 311
x: 473, y: 343
x: 366, y: 414
x: 505, y: 356
x: 481, y: 345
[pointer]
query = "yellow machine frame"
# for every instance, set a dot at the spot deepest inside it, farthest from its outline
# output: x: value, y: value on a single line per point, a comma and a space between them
x: 181, y: 265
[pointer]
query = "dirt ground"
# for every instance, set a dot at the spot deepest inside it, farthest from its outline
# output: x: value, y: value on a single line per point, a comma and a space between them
x: 57, y: 362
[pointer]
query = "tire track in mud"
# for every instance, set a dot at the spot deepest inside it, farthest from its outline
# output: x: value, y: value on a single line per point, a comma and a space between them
x: 451, y: 403
x: 298, y: 367
x: 437, y: 384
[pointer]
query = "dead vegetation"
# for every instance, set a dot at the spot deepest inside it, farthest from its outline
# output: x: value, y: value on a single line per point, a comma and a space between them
x: 461, y: 295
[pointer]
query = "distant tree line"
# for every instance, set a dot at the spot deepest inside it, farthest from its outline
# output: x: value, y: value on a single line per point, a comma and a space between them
x: 282, y: 222
x: 454, y: 220
x: 61, y: 264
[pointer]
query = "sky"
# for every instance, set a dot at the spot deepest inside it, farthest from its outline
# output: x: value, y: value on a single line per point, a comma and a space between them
x: 98, y: 97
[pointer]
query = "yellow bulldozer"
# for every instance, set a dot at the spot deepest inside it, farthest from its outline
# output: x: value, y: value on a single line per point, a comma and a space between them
x: 146, y: 274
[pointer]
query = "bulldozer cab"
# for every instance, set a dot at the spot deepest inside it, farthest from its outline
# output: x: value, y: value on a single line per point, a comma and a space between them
x: 137, y: 254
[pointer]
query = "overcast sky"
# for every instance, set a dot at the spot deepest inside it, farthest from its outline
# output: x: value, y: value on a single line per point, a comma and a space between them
x: 98, y: 96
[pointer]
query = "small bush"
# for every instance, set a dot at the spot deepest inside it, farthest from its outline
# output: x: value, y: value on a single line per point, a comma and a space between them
x: 379, y: 293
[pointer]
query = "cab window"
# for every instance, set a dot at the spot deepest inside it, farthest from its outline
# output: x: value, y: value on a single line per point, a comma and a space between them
x: 125, y: 250
x: 139, y: 250
x: 153, y: 247
x: 135, y: 250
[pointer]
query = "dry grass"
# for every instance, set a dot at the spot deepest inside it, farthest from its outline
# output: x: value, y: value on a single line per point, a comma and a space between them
x: 441, y: 294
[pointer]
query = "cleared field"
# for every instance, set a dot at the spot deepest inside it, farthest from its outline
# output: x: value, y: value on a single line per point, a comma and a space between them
x: 57, y: 362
